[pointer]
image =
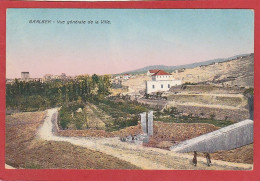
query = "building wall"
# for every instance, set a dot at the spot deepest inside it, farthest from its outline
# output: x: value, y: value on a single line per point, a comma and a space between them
x: 162, y: 77
x: 25, y: 75
x: 160, y: 85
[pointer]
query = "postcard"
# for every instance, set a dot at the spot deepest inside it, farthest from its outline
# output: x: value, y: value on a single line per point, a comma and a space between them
x: 129, y: 89
x: 107, y: 89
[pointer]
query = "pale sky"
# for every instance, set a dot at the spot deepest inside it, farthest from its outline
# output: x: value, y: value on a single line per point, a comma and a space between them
x: 135, y: 38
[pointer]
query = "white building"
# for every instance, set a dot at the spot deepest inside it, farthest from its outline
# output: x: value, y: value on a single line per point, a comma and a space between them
x: 161, y: 81
x: 126, y: 76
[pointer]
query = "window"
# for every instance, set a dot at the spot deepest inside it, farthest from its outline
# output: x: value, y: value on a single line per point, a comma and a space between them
x: 169, y: 86
x: 161, y: 85
x: 153, y: 86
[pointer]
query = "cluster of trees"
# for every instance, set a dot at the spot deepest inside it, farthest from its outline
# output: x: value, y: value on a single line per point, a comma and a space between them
x: 68, y: 116
x: 36, y: 95
x: 124, y: 113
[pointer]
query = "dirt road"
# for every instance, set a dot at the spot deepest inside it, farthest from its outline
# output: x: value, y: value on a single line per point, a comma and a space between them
x: 143, y: 157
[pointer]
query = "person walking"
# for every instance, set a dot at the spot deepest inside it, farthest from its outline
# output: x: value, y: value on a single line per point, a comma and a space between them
x: 194, y: 160
x: 208, y: 159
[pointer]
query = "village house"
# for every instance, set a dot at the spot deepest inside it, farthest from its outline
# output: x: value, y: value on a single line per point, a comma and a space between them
x: 126, y: 76
x: 161, y: 81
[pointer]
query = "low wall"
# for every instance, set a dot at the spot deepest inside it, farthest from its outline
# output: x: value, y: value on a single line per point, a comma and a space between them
x: 227, y: 138
x: 210, y: 99
x: 220, y: 113
x: 153, y: 103
x: 213, y: 89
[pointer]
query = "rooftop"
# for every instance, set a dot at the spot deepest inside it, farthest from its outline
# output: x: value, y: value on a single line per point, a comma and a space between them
x: 160, y: 72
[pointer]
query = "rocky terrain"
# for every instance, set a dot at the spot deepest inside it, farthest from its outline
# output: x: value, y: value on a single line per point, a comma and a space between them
x: 236, y: 72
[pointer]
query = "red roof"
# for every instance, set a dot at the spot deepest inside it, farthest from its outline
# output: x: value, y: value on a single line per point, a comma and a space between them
x: 161, y: 72
x: 154, y: 71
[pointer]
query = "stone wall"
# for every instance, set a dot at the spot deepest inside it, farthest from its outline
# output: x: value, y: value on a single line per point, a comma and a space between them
x: 216, y: 113
x: 210, y: 99
x: 150, y: 123
x: 160, y: 104
x: 213, y: 89
x: 227, y: 138
x: 143, y: 122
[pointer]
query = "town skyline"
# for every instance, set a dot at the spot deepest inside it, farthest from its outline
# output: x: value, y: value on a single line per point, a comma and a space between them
x: 119, y: 73
x: 134, y: 39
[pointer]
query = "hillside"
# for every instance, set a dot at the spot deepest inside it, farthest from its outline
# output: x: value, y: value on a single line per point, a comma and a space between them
x: 186, y: 66
x: 237, y: 72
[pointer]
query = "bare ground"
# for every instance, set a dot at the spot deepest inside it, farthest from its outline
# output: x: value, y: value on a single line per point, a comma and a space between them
x: 25, y: 150
x: 168, y: 134
x: 49, y: 151
x: 138, y: 155
x: 165, y: 134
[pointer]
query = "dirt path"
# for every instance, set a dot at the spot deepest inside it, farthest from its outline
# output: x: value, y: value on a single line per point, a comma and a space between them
x: 143, y: 157
x: 8, y: 167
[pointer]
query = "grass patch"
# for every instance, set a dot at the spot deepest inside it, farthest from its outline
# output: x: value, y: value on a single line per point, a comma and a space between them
x: 32, y: 166
x: 172, y: 118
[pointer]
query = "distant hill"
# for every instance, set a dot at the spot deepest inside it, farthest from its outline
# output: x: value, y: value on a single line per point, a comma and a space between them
x: 235, y: 72
x: 172, y: 68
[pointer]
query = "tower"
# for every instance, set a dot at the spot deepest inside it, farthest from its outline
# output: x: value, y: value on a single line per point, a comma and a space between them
x: 25, y: 75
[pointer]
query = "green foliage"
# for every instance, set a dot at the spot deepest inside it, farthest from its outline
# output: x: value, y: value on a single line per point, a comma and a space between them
x: 123, y: 107
x: 79, y: 120
x: 36, y: 95
x: 64, y: 117
x: 68, y: 116
x: 165, y: 117
x: 119, y: 124
x: 32, y: 166
x: 189, y: 83
x: 124, y: 113
x: 249, y: 91
x: 212, y: 116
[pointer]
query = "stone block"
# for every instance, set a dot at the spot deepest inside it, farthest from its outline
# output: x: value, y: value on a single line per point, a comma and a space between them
x: 143, y: 122
x: 150, y: 123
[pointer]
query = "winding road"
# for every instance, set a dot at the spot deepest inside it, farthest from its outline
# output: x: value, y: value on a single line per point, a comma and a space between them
x: 143, y: 157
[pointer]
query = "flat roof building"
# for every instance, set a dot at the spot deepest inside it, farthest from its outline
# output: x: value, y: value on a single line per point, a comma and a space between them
x: 25, y: 75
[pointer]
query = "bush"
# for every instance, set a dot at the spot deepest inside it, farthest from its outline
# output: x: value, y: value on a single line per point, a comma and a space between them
x: 212, y: 116
x: 79, y: 120
x: 249, y: 91
x: 65, y: 115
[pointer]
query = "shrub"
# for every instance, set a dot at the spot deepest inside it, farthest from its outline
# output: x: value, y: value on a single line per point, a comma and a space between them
x: 212, y: 116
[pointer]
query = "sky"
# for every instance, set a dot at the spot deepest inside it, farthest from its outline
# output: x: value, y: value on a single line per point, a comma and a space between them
x: 135, y: 38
